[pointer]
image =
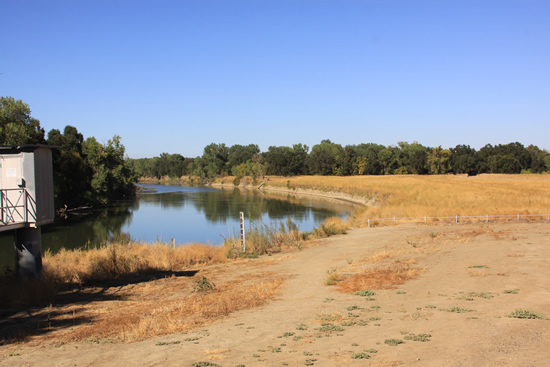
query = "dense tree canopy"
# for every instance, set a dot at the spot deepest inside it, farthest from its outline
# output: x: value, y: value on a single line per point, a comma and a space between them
x: 85, y: 171
x: 328, y: 158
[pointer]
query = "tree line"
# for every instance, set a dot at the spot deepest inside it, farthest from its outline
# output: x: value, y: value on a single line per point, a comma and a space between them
x: 89, y: 172
x: 86, y: 172
x: 328, y: 158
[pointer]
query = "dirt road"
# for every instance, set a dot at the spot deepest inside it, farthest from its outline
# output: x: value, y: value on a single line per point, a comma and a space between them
x: 469, y: 278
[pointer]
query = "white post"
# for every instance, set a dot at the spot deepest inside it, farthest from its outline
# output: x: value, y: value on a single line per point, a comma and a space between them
x: 394, y: 222
x: 457, y: 219
x: 425, y: 220
x: 518, y: 217
x: 243, y: 243
x: 487, y: 219
x: 368, y: 221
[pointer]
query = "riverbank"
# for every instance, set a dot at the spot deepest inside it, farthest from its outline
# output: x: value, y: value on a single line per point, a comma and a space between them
x: 414, y: 196
x: 454, y: 303
x: 265, y: 185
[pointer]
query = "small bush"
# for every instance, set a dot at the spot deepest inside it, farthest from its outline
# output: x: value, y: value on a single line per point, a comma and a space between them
x: 203, y: 285
x: 419, y: 337
x: 365, y: 293
x: 360, y: 356
x: 525, y: 314
x: 393, y: 342
x: 456, y: 309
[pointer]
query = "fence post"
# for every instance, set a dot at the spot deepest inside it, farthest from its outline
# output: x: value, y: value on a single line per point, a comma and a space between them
x: 518, y: 217
x: 457, y: 219
x: 487, y: 218
x: 425, y: 220
x: 173, y: 243
x: 243, y: 243
x: 368, y: 222
x: 394, y: 221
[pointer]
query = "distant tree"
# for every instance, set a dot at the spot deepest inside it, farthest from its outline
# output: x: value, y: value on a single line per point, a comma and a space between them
x: 387, y: 159
x: 463, y: 159
x: 326, y: 158
x: 438, y: 160
x: 215, y: 157
x: 414, y: 157
x: 238, y: 154
x: 366, y: 161
x: 286, y: 161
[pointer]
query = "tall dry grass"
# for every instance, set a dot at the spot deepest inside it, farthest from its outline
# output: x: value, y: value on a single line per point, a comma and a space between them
x: 444, y: 195
x: 111, y: 261
x: 263, y: 238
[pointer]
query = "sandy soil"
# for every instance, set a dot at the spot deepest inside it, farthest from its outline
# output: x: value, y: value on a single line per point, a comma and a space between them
x: 489, y: 270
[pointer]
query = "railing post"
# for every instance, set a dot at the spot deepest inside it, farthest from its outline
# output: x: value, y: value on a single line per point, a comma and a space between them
x: 487, y: 218
x: 457, y: 219
x: 368, y: 221
x: 394, y: 221
x: 518, y: 217
x: 25, y: 205
x: 425, y: 220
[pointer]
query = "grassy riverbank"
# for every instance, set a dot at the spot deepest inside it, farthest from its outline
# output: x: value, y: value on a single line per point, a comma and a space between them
x: 117, y: 260
x: 419, y: 196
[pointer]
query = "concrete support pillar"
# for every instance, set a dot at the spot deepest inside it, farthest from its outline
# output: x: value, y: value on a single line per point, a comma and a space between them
x: 28, y: 252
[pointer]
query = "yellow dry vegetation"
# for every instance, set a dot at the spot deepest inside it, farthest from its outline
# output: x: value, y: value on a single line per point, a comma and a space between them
x: 116, y: 260
x: 380, y: 278
x: 436, y: 196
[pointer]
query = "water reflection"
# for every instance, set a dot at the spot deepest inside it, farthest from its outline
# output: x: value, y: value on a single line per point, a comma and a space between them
x: 187, y: 214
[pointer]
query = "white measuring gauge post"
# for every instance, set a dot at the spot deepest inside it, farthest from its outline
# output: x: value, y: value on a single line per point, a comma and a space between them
x: 243, y: 240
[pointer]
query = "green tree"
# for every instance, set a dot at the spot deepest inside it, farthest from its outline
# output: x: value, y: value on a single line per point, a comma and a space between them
x: 286, y: 161
x: 326, y: 158
x: 214, y: 160
x: 112, y: 176
x: 71, y: 173
x: 386, y: 158
x: 17, y: 127
x: 438, y: 160
x: 463, y: 159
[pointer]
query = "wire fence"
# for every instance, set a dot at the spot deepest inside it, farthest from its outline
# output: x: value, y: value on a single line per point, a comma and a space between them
x: 458, y: 218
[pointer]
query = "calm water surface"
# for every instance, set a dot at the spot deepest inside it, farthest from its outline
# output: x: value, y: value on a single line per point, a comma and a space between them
x: 187, y: 214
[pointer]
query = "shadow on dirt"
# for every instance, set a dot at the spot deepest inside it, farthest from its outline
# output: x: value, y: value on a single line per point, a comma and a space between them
x: 18, y: 324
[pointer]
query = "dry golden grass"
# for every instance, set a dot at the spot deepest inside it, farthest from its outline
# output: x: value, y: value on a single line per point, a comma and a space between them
x: 140, y: 318
x: 436, y: 196
x: 108, y: 262
x: 380, y: 278
x: 115, y: 260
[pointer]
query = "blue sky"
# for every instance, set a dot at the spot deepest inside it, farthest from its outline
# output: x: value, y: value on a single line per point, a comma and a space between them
x: 174, y: 76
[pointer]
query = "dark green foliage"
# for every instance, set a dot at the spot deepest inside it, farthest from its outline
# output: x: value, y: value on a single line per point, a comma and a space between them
x: 17, y: 127
x: 86, y: 172
x: 286, y: 161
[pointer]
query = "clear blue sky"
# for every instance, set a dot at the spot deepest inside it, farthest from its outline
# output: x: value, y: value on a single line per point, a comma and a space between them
x: 174, y: 76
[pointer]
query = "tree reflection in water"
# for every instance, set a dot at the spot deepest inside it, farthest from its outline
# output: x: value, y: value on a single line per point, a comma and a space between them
x: 188, y: 214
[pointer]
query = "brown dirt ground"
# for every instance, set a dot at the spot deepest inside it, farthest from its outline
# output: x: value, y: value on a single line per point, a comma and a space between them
x: 460, y: 265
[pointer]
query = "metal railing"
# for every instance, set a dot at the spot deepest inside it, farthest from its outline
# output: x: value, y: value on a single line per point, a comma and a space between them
x: 16, y: 206
x: 457, y: 218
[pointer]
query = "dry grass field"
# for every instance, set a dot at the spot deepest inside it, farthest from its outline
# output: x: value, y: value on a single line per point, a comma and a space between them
x: 467, y: 294
x: 436, y: 196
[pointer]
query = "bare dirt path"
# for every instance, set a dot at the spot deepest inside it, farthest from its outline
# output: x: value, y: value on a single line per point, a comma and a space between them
x: 453, y: 314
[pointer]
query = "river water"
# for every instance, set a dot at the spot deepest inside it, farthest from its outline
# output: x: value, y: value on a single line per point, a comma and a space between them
x: 187, y: 214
